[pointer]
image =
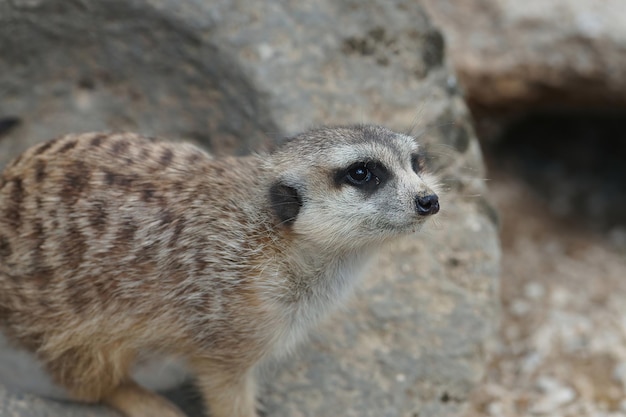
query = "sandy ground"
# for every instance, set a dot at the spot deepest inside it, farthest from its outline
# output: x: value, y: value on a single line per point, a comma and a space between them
x: 561, y: 349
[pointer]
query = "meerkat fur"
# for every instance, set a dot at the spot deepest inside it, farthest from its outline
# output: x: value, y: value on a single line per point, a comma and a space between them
x: 117, y: 247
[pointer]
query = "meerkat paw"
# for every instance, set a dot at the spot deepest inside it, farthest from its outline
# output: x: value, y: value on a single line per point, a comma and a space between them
x: 229, y: 394
x: 134, y: 401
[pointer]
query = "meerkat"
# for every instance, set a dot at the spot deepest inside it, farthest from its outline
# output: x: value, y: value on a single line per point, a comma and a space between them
x: 115, y: 248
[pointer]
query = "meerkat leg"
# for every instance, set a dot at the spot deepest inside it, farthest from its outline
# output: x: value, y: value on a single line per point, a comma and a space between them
x: 135, y: 401
x: 101, y: 376
x: 229, y: 393
x: 87, y: 374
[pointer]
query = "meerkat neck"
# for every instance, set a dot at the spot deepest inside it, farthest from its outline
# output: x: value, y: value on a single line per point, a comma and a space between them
x: 324, y: 276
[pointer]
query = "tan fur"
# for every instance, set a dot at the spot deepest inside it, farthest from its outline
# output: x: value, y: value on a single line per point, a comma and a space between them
x: 135, y: 401
x: 116, y: 245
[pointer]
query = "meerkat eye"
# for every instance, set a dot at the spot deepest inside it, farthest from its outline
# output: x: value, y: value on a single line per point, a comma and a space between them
x: 367, y: 175
x: 359, y: 175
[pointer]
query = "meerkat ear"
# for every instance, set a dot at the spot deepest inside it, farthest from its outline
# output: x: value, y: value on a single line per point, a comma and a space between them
x: 286, y: 202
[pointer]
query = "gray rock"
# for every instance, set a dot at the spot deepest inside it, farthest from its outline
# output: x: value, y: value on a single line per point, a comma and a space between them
x: 236, y: 75
x: 25, y: 405
x: 410, y: 342
x: 123, y: 65
x: 518, y: 55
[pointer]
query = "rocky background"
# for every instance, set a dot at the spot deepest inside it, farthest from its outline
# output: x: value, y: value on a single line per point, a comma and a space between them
x: 513, y: 57
x: 546, y: 83
x: 235, y: 76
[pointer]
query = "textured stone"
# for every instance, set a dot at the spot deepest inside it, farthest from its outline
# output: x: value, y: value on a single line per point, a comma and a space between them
x: 25, y: 405
x: 410, y: 342
x: 513, y: 55
x: 123, y: 65
x: 236, y: 75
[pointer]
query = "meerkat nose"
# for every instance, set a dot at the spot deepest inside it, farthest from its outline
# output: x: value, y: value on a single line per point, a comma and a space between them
x: 427, y: 205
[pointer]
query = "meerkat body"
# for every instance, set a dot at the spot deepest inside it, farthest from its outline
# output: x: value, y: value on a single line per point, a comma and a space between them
x: 117, y: 248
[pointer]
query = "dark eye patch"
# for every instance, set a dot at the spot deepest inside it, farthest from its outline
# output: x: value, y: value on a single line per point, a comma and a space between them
x: 418, y: 162
x: 365, y: 175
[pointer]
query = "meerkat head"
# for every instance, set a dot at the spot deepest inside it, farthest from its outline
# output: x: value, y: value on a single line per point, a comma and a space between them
x: 350, y: 186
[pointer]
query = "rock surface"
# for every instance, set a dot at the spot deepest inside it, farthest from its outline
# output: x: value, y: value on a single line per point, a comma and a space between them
x: 560, y: 350
x: 234, y: 76
x: 513, y: 55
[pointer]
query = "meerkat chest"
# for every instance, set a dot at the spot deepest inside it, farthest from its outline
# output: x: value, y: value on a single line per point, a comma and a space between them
x: 320, y: 294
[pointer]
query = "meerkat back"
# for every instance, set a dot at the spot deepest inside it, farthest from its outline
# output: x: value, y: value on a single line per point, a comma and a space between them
x: 99, y: 250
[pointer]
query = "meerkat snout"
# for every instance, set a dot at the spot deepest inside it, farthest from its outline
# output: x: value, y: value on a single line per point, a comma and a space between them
x: 427, y: 205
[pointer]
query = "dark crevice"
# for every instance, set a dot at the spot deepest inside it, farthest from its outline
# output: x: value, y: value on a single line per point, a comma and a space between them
x: 576, y: 163
x: 8, y: 123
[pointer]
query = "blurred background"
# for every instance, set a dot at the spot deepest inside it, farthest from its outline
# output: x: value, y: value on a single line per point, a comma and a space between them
x: 538, y: 85
x: 546, y: 84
